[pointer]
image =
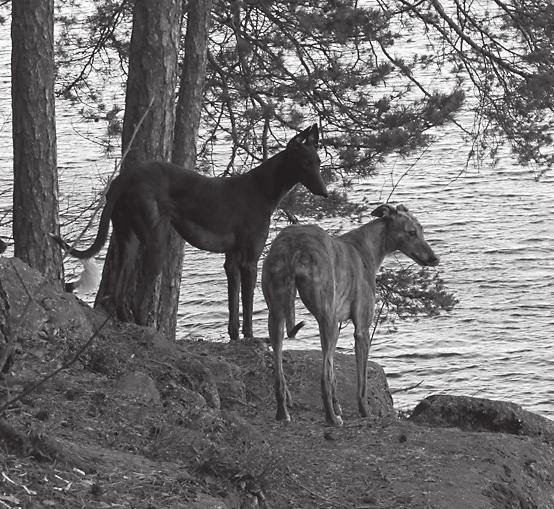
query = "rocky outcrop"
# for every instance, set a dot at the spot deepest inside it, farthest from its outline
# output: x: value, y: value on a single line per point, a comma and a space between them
x: 240, y: 367
x: 305, y: 366
x: 37, y: 307
x: 480, y: 414
x: 140, y: 386
x: 139, y: 421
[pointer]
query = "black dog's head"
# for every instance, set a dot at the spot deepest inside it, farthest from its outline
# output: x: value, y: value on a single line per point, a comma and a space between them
x: 302, y: 150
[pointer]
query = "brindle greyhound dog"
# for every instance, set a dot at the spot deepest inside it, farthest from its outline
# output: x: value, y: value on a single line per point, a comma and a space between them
x: 228, y: 215
x: 335, y: 277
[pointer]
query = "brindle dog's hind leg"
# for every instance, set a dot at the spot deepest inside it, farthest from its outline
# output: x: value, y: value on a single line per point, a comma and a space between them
x: 276, y: 293
x: 329, y: 334
x: 276, y: 333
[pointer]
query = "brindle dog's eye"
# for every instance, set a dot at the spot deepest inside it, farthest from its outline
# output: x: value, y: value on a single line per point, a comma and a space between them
x: 412, y: 233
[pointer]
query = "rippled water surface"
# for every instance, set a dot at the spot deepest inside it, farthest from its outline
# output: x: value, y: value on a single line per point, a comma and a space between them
x: 493, y: 229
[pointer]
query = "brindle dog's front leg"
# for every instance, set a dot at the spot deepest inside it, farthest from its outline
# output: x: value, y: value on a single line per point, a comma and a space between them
x: 329, y: 334
x: 361, y: 347
x: 233, y: 281
x: 248, y: 275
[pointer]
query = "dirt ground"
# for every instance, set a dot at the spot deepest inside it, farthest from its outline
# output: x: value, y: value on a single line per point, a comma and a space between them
x: 137, y: 422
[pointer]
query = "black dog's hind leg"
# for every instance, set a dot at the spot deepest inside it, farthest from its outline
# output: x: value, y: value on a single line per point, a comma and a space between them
x: 153, y: 245
x: 127, y: 260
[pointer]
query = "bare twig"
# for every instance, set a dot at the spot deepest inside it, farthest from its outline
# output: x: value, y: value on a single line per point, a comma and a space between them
x: 406, y: 389
x: 106, y: 33
x: 316, y: 494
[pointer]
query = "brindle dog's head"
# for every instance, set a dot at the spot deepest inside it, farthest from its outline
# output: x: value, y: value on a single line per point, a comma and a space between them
x: 302, y: 150
x: 406, y: 234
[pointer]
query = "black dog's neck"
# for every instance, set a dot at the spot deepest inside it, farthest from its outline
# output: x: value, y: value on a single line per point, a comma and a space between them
x: 276, y: 176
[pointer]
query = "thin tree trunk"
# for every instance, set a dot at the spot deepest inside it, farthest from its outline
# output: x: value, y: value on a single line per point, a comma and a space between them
x: 151, y: 86
x: 152, y: 80
x: 35, y: 195
x: 191, y: 88
x: 187, y: 122
x: 7, y: 340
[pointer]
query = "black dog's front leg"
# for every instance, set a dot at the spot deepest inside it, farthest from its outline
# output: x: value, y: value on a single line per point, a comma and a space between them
x: 233, y: 280
x: 248, y: 275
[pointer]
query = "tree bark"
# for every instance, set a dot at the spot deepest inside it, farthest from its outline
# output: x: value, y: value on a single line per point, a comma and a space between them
x: 149, y: 120
x: 7, y: 342
x: 35, y: 195
x: 152, y: 81
x: 191, y: 88
x: 187, y: 122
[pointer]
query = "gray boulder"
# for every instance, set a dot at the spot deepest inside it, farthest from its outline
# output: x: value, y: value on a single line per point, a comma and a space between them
x: 480, y: 414
x: 303, y: 372
x: 140, y: 386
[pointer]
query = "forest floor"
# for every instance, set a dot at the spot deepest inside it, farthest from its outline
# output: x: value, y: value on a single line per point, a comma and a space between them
x: 138, y: 422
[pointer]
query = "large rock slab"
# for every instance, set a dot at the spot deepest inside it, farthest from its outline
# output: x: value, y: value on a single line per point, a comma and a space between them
x: 480, y: 414
x: 255, y: 378
x: 303, y: 371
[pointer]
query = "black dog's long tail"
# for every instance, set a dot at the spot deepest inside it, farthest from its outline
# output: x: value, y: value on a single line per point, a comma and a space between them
x: 103, y: 228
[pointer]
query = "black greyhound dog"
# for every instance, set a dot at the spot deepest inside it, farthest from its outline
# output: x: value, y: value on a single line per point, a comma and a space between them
x: 228, y: 215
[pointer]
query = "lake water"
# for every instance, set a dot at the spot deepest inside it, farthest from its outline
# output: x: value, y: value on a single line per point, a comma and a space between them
x: 492, y: 227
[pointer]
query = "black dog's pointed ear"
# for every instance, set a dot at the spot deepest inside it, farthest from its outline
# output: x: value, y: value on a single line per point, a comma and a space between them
x: 300, y: 137
x: 312, y: 137
x: 309, y: 136
x: 384, y: 210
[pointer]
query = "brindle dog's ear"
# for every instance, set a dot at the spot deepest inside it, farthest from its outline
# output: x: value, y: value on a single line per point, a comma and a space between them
x: 384, y: 210
x: 401, y: 208
x: 312, y: 138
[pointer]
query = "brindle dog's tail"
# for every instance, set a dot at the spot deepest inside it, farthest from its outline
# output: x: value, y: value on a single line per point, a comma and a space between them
x: 292, y: 333
x: 112, y: 196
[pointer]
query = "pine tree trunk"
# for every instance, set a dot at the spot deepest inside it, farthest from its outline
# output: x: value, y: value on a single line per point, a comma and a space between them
x: 152, y: 80
x: 35, y: 197
x: 7, y: 342
x: 187, y: 122
x: 150, y: 96
x: 191, y: 88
